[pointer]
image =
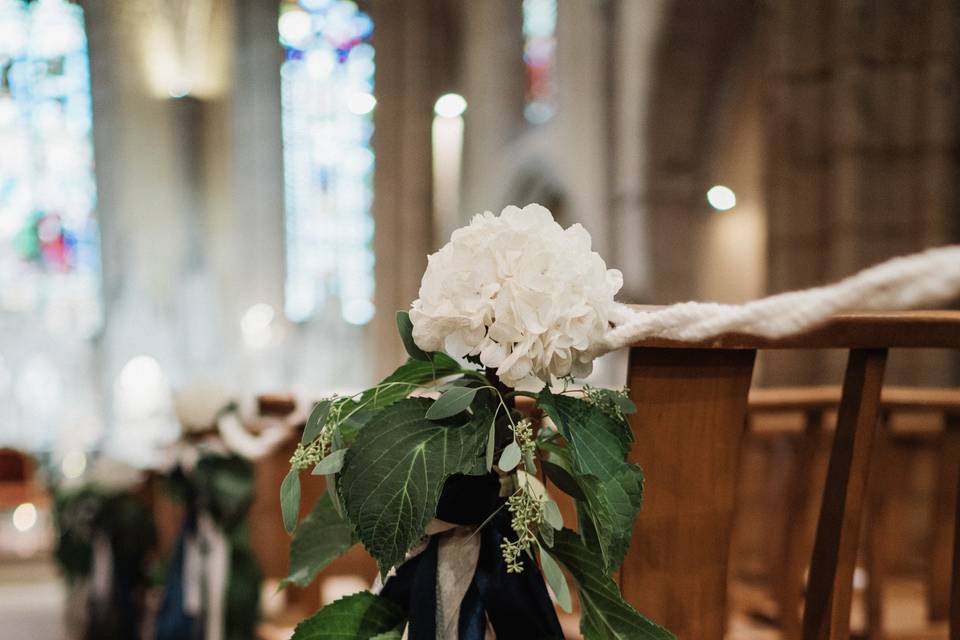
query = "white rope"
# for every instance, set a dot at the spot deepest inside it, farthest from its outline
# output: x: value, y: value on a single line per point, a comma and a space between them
x: 925, y: 279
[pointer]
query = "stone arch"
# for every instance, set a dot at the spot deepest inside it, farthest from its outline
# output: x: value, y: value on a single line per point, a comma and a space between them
x: 703, y: 61
x: 539, y: 185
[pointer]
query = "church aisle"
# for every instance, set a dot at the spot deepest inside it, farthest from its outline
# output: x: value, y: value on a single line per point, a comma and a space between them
x: 32, y: 599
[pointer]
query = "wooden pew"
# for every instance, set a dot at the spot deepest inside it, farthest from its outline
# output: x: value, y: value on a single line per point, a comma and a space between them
x: 692, y: 402
x: 814, y: 403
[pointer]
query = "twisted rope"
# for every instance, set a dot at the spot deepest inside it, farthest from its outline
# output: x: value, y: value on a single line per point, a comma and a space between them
x: 929, y: 278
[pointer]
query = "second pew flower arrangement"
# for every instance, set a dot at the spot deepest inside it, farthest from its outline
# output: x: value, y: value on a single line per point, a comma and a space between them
x: 448, y: 484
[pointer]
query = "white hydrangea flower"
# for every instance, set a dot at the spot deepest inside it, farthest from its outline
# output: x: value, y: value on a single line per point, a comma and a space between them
x: 521, y: 292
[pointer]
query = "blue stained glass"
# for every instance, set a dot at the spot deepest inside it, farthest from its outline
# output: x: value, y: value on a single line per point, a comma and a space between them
x: 49, y: 240
x: 327, y: 100
x: 539, y: 58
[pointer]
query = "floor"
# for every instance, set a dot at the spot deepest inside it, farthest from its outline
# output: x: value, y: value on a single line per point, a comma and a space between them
x: 32, y: 604
x: 32, y: 600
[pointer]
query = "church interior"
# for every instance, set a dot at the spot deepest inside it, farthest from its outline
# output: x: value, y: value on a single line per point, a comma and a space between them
x: 210, y: 211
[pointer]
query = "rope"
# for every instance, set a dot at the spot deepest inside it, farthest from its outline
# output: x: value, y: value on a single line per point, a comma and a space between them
x: 929, y: 278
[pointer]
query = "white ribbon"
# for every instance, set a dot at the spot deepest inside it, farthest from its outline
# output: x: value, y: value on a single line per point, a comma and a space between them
x: 101, y: 573
x: 206, y: 571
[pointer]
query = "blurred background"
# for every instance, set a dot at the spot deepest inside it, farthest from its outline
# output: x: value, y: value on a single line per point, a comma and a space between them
x: 240, y: 193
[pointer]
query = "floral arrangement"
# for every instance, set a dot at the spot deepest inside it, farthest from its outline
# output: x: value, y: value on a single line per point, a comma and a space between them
x: 448, y: 459
x: 105, y: 536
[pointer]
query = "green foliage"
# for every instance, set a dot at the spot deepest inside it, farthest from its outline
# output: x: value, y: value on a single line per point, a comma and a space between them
x: 318, y: 417
x: 451, y: 402
x: 361, y: 616
x: 386, y: 457
x: 556, y: 580
x: 510, y: 457
x: 405, y: 326
x: 290, y: 500
x: 559, y: 476
x: 605, y: 614
x: 397, y: 386
x: 394, y: 472
x: 611, y: 488
x: 321, y: 537
x: 599, y: 441
x: 331, y: 464
x: 612, y: 506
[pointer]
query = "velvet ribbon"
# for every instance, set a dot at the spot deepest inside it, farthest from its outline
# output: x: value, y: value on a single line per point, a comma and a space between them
x: 516, y: 605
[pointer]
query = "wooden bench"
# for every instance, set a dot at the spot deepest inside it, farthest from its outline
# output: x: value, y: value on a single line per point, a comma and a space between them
x: 814, y: 403
x: 692, y: 403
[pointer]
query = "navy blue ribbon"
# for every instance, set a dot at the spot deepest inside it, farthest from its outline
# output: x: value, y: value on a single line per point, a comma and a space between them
x: 517, y: 605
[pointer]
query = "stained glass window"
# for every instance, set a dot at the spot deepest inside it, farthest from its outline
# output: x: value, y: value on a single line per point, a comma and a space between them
x: 327, y: 99
x: 539, y: 59
x: 49, y: 242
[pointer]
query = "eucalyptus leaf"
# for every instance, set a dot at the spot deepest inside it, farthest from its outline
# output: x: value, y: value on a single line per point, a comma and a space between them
x: 510, y: 457
x: 552, y: 515
x: 491, y: 444
x: 331, y: 464
x: 625, y: 403
x: 405, y: 326
x: 451, y: 402
x: 605, y: 614
x: 528, y: 463
x: 361, y: 615
x: 546, y: 534
x: 394, y: 471
x: 290, y: 499
x: 562, y: 478
x: 393, y: 634
x: 321, y: 537
x: 318, y: 416
x: 557, y: 581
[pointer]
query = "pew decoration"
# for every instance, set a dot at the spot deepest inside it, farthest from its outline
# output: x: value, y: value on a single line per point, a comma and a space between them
x: 105, y: 536
x: 449, y: 484
x: 212, y: 581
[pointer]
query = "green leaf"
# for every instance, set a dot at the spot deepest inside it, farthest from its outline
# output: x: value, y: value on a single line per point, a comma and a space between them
x: 625, y: 403
x: 397, y: 386
x: 612, y: 506
x: 290, y: 500
x: 405, y: 325
x: 612, y: 488
x: 321, y: 537
x: 510, y: 457
x: 331, y: 482
x: 552, y: 515
x: 546, y: 534
x: 451, y: 402
x: 605, y: 614
x: 491, y: 444
x: 599, y: 442
x: 362, y: 616
x: 394, y: 472
x: 557, y: 581
x: 331, y: 464
x: 318, y: 416
x: 393, y: 634
x: 562, y: 478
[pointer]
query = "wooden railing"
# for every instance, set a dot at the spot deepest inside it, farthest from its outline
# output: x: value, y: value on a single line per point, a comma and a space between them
x: 692, y: 402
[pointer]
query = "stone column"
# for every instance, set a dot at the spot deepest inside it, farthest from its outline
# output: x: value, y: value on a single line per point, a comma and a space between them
x: 407, y: 83
x: 862, y: 122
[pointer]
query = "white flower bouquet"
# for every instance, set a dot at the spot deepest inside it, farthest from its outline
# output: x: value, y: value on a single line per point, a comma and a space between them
x: 447, y: 482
